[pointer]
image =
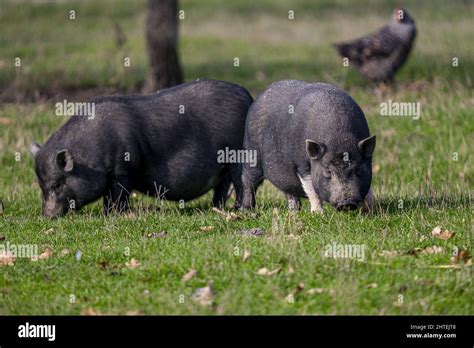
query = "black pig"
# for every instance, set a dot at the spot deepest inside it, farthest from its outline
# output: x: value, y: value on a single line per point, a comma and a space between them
x: 164, y: 144
x: 312, y: 140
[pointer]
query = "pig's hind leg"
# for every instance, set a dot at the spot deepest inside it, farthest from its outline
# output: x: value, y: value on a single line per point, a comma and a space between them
x: 236, y: 178
x: 117, y: 197
x: 293, y: 202
x: 221, y: 192
x: 252, y: 177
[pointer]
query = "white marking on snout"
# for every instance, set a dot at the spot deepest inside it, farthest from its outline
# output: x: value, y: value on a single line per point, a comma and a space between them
x: 313, y: 197
x: 369, y: 202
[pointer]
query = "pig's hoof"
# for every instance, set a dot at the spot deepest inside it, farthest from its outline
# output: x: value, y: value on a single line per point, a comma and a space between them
x: 366, y: 209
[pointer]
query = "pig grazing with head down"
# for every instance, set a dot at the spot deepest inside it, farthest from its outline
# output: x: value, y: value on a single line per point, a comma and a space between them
x: 164, y: 144
x: 312, y: 140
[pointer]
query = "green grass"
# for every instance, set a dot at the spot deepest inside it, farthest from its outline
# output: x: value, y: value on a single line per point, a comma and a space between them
x: 417, y: 183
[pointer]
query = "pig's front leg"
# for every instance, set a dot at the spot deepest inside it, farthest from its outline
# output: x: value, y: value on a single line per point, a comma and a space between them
x: 117, y: 197
x: 368, y: 205
x: 293, y: 201
x: 314, y: 200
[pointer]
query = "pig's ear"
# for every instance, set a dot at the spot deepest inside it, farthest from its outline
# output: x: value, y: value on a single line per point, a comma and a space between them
x: 315, y: 150
x: 367, y: 146
x: 64, y: 160
x: 34, y: 149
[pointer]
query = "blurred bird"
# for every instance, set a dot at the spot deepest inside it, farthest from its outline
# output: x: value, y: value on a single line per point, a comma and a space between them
x: 378, y: 56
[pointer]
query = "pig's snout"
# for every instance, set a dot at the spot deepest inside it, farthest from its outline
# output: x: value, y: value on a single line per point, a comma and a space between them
x: 53, y: 214
x: 52, y: 209
x: 351, y: 205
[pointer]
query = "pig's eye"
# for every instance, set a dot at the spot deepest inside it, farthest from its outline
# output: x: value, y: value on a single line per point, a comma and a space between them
x: 327, y: 173
x: 56, y: 187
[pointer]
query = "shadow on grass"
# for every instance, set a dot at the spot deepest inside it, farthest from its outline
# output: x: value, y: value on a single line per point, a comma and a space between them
x: 393, y: 206
x: 203, y: 207
x: 397, y: 205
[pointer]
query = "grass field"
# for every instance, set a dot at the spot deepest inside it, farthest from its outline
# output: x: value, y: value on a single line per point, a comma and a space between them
x: 423, y: 174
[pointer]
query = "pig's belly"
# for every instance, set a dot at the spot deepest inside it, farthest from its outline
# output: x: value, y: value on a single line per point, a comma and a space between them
x: 284, y: 178
x: 179, y: 187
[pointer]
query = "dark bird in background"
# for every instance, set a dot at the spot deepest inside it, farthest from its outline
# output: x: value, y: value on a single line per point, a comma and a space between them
x: 378, y: 56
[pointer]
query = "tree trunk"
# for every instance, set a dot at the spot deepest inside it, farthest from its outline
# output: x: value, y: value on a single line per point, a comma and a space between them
x: 162, y: 44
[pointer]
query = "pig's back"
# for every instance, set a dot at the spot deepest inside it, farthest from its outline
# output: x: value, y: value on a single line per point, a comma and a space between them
x: 209, y: 104
x: 290, y: 111
x: 211, y: 113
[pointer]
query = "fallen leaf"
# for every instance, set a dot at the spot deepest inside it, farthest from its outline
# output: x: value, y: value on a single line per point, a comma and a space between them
x: 206, y: 228
x: 428, y: 250
x: 298, y: 289
x: 441, y: 233
x: 253, y: 232
x: 266, y: 272
x: 64, y: 252
x: 402, y: 288
x: 432, y: 250
x: 376, y: 168
x: 231, y: 216
x: 414, y: 251
x: 46, y: 254
x: 372, y: 286
x: 133, y: 263
x: 49, y: 231
x: 246, y: 255
x: 388, y: 253
x: 228, y: 216
x: 204, y: 296
x: 7, y: 258
x: 462, y: 256
x: 315, y: 291
x: 155, y: 235
x: 191, y: 273
x: 90, y: 311
x: 103, y: 264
